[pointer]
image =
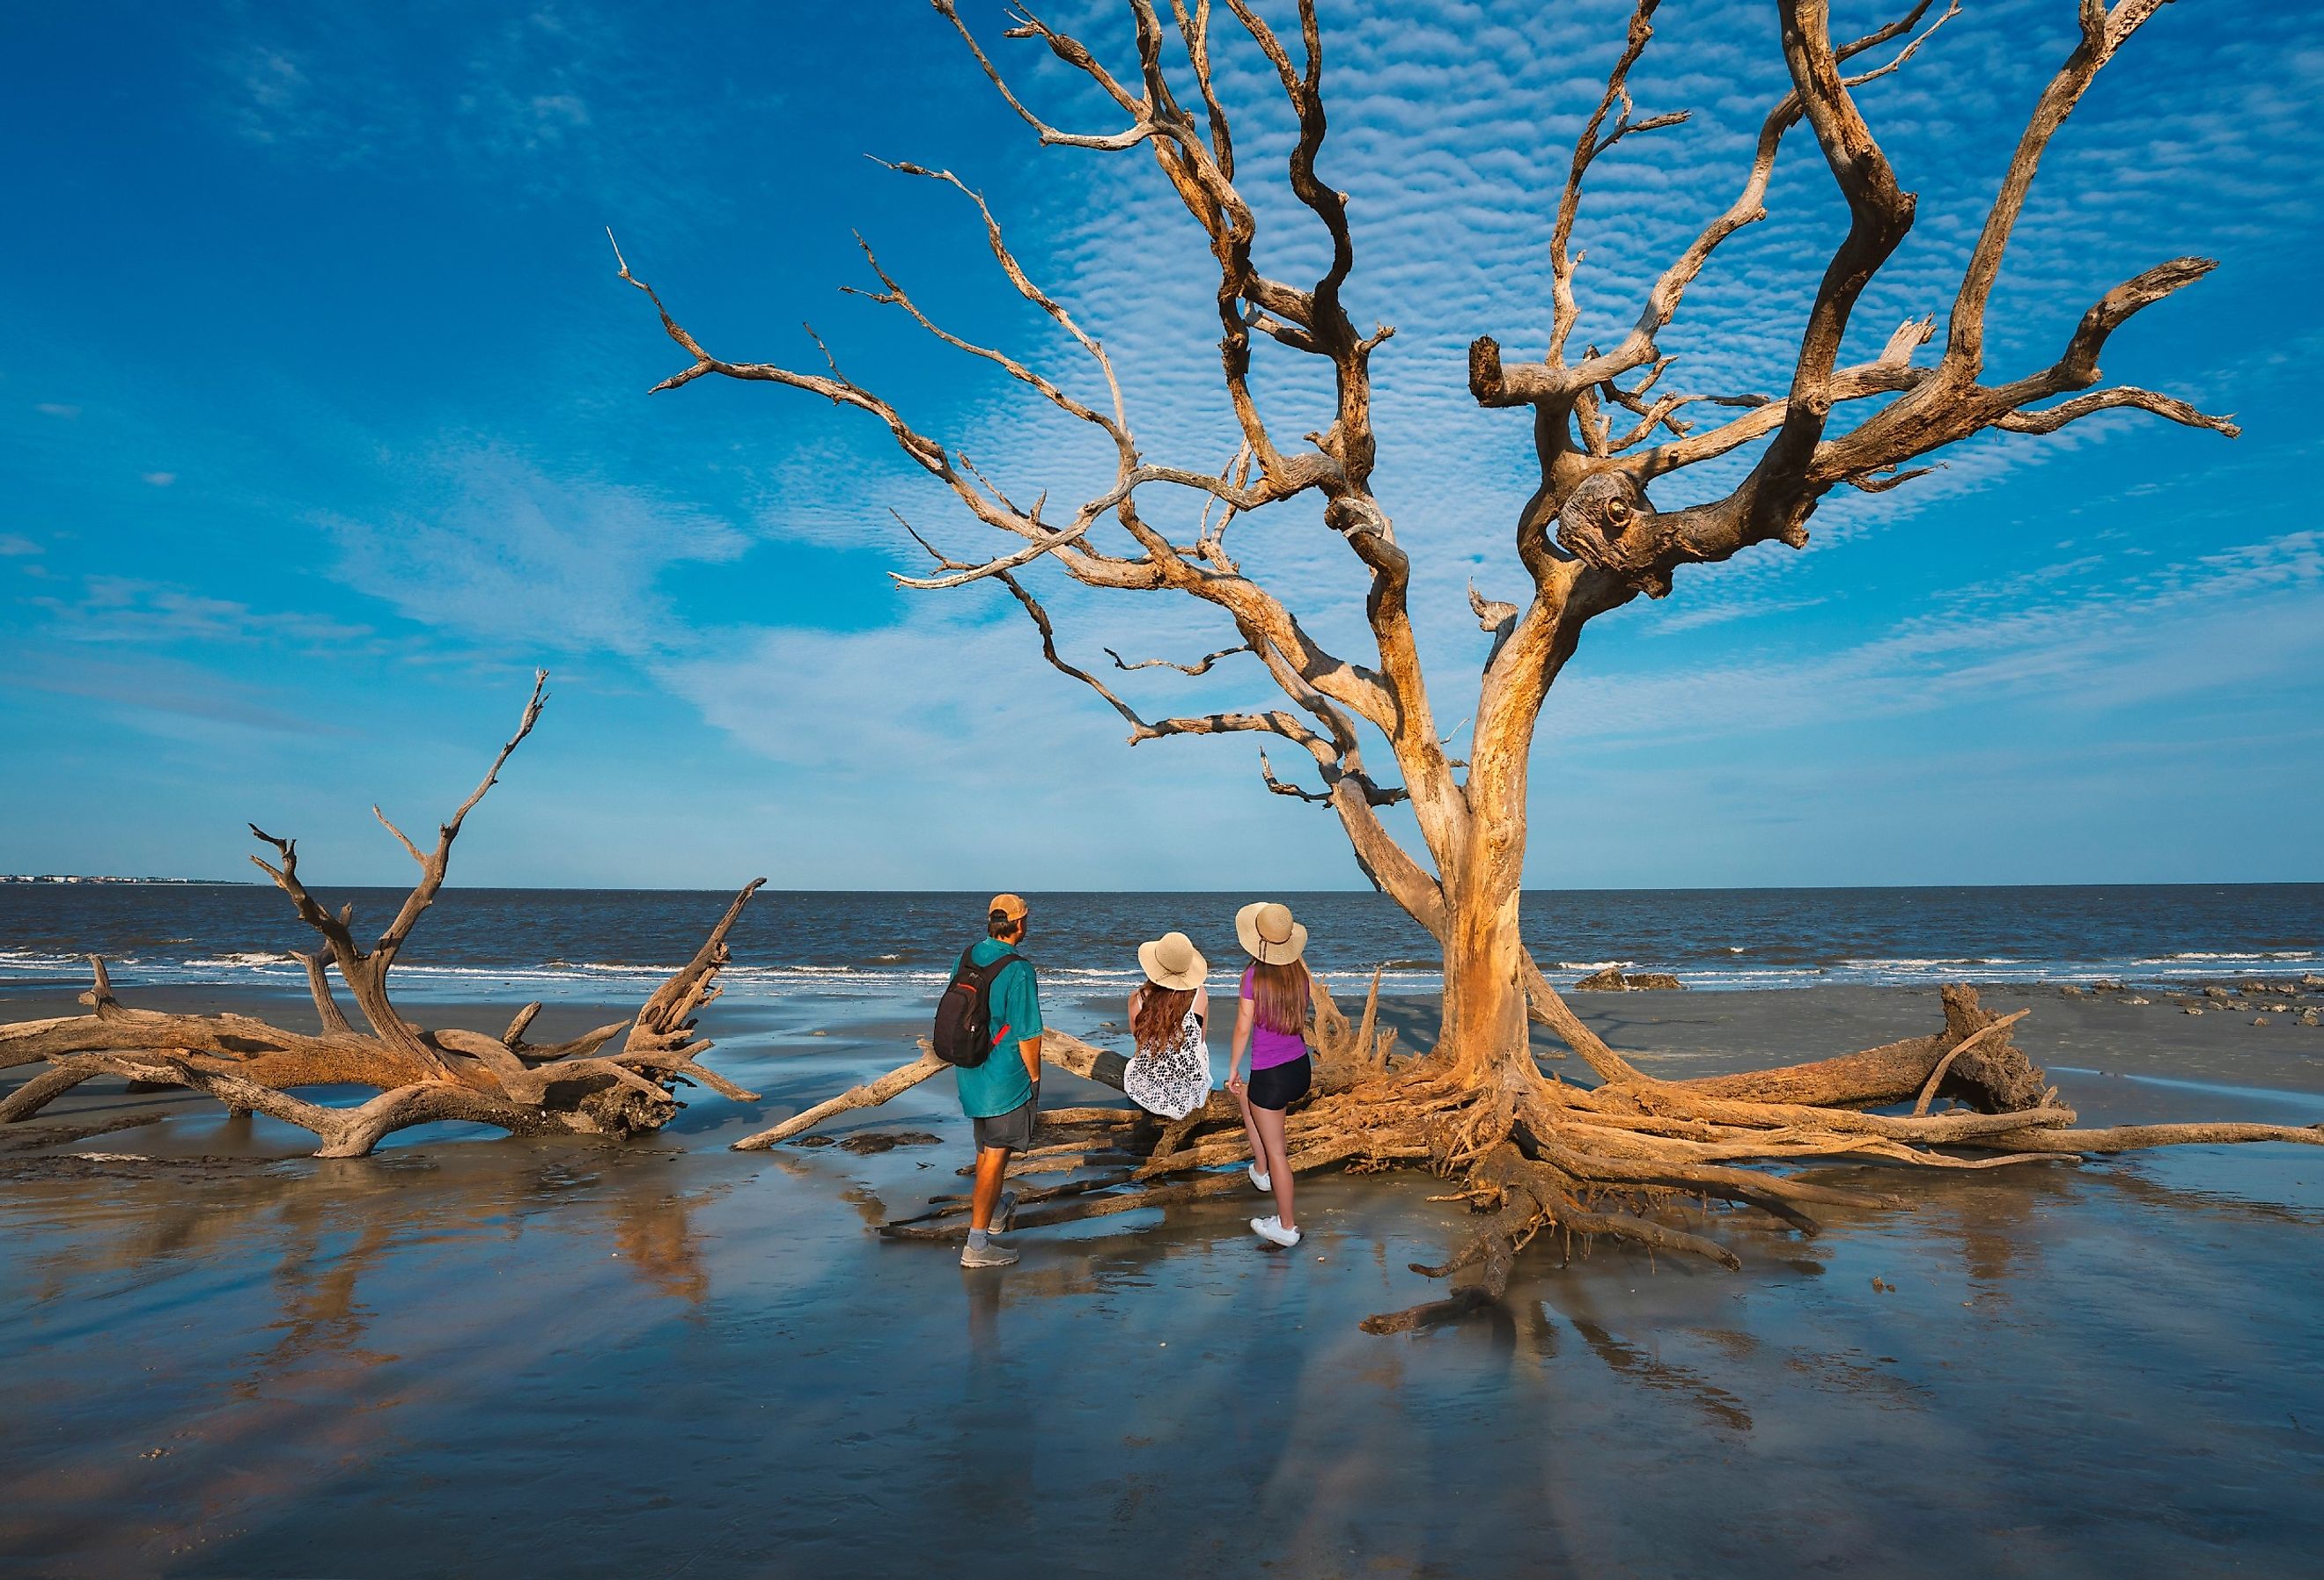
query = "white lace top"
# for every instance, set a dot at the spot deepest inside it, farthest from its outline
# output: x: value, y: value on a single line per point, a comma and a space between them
x: 1175, y: 1081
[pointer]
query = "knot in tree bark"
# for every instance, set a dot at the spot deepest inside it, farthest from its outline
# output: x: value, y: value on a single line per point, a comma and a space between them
x: 1608, y: 522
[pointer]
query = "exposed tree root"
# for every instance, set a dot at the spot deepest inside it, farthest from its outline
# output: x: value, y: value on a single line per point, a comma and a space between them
x: 1535, y: 1155
x: 572, y: 1087
x: 2132, y: 1137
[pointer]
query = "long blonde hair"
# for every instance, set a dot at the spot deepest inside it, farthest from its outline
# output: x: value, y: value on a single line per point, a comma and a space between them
x: 1279, y: 996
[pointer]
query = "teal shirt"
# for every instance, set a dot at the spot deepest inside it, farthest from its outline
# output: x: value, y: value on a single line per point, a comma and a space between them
x: 1000, y: 1085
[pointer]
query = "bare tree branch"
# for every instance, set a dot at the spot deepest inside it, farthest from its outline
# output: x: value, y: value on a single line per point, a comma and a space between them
x: 319, y: 986
x: 1200, y: 665
x: 2103, y: 32
x: 1587, y: 148
x: 433, y: 866
x: 1073, y: 55
x: 2051, y: 419
x: 1267, y: 774
x: 1277, y: 722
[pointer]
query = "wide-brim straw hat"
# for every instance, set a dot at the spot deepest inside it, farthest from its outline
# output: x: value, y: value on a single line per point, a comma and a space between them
x: 1268, y: 933
x: 1172, y: 961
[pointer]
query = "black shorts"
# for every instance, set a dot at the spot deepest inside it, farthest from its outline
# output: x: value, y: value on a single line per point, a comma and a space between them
x: 1012, y: 1130
x: 1278, y: 1086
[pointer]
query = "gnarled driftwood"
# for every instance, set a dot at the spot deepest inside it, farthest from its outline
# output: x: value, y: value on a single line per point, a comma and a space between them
x: 420, y: 1074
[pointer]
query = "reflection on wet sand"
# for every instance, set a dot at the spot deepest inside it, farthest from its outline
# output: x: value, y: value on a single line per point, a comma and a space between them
x: 1625, y: 1359
x: 406, y: 1365
x: 246, y: 1430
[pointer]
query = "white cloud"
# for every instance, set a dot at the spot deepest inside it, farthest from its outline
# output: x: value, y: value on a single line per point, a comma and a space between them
x: 506, y: 553
x: 1722, y: 611
x: 546, y: 99
x: 161, y: 479
x: 947, y: 748
x: 119, y: 610
x: 1451, y: 127
x: 160, y: 692
x: 2229, y: 620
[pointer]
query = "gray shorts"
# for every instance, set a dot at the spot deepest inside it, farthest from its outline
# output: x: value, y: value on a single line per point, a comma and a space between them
x: 1013, y: 1129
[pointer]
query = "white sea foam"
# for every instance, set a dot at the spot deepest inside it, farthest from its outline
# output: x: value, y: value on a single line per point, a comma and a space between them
x: 886, y: 978
x: 31, y: 961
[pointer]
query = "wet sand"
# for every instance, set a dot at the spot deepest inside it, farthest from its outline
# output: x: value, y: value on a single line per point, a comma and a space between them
x: 218, y: 1357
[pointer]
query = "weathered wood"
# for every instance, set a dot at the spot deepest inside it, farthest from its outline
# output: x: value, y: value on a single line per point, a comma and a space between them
x: 1991, y: 1077
x: 1944, y: 1066
x: 1061, y: 1049
x: 335, y: 1020
x: 421, y: 1076
x: 870, y: 1095
x: 1069, y: 1116
x: 2130, y: 1138
x: 65, y: 1073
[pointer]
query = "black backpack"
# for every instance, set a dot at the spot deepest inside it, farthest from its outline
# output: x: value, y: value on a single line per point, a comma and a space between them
x: 964, y: 1033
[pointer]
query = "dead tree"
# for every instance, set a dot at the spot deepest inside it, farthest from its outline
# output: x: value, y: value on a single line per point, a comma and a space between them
x: 1607, y: 425
x: 576, y: 1087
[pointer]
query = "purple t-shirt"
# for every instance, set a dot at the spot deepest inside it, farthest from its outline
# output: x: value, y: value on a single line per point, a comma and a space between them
x: 1270, y: 1048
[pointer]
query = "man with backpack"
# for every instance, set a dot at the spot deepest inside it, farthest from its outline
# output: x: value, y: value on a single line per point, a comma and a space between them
x: 988, y: 1025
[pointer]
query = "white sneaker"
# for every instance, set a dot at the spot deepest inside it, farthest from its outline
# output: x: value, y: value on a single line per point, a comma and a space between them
x: 1271, y: 1229
x: 1258, y: 1178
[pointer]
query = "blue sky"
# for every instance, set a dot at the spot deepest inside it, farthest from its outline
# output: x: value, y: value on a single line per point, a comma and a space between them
x: 323, y: 420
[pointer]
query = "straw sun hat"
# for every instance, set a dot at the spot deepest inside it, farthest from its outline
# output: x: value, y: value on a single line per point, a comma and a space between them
x: 1172, y: 961
x: 1268, y: 934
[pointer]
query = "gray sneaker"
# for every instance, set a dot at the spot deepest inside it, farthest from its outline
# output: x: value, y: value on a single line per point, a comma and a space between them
x: 1004, y: 1217
x: 988, y: 1255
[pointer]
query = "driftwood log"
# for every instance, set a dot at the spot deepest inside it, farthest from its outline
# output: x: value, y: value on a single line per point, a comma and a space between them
x: 1602, y: 1159
x: 615, y: 1080
x: 1534, y: 1151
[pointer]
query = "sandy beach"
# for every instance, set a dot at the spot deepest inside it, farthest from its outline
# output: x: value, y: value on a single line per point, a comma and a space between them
x: 469, y: 1356
x: 616, y: 613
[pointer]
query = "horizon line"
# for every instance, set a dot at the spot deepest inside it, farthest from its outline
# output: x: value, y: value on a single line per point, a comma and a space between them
x: 94, y: 880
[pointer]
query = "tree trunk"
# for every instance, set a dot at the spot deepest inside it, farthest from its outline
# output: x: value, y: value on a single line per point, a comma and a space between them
x: 1986, y: 1070
x: 1484, y: 1034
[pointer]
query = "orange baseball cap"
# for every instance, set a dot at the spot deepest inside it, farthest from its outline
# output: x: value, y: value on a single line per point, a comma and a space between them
x: 1011, y: 906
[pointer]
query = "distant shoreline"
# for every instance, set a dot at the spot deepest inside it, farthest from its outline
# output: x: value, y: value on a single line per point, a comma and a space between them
x: 575, y: 943
x: 29, y: 879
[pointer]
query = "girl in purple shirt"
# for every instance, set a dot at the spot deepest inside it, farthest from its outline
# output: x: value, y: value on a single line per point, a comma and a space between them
x: 1269, y: 1022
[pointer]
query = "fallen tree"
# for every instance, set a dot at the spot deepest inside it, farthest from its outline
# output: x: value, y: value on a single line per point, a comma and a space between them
x: 1534, y: 1150
x: 1587, y: 1160
x: 585, y: 1085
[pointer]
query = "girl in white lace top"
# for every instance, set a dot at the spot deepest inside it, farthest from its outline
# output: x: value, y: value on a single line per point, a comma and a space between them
x: 1170, y: 1073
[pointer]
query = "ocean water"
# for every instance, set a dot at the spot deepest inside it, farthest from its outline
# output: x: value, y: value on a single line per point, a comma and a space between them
x: 575, y: 943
